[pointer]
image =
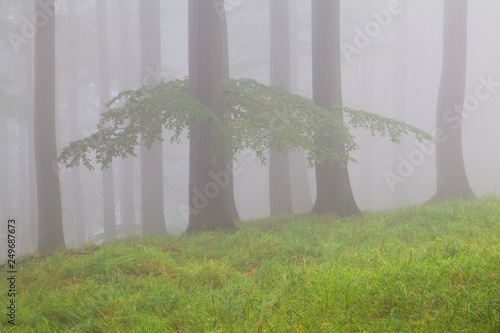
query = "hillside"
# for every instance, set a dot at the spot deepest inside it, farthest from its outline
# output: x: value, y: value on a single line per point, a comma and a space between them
x: 432, y: 268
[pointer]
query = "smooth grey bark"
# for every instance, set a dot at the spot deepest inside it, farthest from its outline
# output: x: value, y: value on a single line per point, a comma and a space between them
x: 334, y: 192
x: 367, y: 80
x: 78, y: 222
x: 108, y: 193
x: 152, y: 210
x: 208, y: 209
x: 32, y: 209
x: 451, y: 176
x: 126, y: 166
x: 228, y: 145
x: 127, y: 201
x: 4, y: 166
x: 280, y: 197
x: 25, y: 229
x: 50, y: 223
x: 299, y: 180
x: 400, y: 195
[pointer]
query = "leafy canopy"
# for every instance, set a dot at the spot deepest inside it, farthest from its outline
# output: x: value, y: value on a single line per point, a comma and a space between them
x: 255, y: 116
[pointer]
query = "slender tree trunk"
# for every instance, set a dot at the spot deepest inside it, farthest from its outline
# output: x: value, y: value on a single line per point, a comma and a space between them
x: 334, y: 193
x: 26, y: 232
x: 367, y: 156
x: 228, y: 146
x: 280, y: 197
x: 50, y: 235
x: 32, y: 209
x: 400, y: 195
x: 207, y: 197
x: 127, y: 201
x: 153, y: 218
x: 79, y: 216
x: 126, y: 166
x: 451, y: 176
x: 299, y: 180
x: 5, y: 206
x: 108, y: 193
x: 4, y: 167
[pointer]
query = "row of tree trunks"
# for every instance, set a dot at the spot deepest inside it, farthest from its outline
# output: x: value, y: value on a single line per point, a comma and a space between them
x: 212, y: 206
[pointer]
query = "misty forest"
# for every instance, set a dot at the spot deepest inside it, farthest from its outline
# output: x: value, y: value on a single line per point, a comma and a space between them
x: 250, y: 166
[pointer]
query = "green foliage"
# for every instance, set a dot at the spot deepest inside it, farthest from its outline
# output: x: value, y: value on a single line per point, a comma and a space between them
x: 264, y: 117
x: 133, y: 114
x: 419, y: 269
x: 256, y: 117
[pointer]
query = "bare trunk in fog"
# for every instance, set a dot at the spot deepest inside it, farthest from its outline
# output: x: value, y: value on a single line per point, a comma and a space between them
x: 451, y: 177
x: 126, y: 166
x: 400, y: 195
x: 207, y: 197
x: 366, y: 78
x: 26, y: 229
x: 4, y: 166
x: 50, y: 224
x: 78, y: 222
x: 280, y: 198
x: 299, y: 180
x: 228, y: 146
x: 153, y: 218
x: 334, y: 193
x: 32, y: 209
x: 108, y: 193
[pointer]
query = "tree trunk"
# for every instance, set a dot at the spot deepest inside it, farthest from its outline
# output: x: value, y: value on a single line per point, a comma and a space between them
x: 50, y: 223
x: 451, y: 176
x: 4, y: 167
x: 126, y: 166
x: 153, y: 218
x: 400, y: 195
x: 208, y: 177
x: 25, y: 229
x: 228, y: 148
x: 366, y: 78
x: 299, y: 179
x: 78, y: 212
x: 108, y: 193
x: 334, y: 193
x: 280, y: 197
x: 32, y: 209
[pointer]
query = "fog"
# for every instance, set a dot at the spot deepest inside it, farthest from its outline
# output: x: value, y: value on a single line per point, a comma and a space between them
x: 391, y: 65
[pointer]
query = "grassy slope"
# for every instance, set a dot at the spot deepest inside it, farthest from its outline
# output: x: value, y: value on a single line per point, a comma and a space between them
x: 419, y: 269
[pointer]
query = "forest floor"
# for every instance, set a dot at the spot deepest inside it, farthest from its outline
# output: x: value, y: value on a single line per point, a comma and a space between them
x: 431, y: 268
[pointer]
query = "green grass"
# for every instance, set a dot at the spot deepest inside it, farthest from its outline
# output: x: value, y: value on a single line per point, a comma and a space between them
x: 433, y: 268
